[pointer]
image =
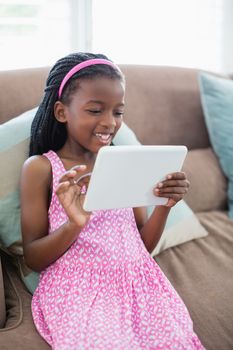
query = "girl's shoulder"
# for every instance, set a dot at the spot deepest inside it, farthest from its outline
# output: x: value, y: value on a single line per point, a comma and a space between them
x: 38, y: 162
x: 37, y: 167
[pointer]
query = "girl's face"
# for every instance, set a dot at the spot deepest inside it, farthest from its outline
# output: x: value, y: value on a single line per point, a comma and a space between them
x: 94, y: 114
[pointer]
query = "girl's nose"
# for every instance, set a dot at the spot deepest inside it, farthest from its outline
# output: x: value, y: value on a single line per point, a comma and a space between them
x: 108, y: 119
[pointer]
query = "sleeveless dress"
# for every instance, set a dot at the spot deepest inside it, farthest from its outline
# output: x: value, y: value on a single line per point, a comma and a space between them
x: 106, y: 292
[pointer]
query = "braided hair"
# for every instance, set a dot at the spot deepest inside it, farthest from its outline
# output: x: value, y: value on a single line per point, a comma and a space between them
x: 47, y: 133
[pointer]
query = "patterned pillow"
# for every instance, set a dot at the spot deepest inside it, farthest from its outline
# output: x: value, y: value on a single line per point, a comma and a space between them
x: 182, y: 226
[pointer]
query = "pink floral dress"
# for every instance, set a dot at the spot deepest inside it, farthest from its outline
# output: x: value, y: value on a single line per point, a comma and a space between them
x: 106, y: 292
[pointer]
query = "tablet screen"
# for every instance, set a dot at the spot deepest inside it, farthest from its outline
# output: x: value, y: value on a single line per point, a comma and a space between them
x: 125, y: 176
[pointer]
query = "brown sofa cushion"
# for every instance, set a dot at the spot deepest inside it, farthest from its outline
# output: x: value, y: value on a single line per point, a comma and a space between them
x: 208, y: 185
x: 19, y: 331
x: 2, y: 299
x: 160, y: 97
x: 15, y: 99
x: 201, y: 271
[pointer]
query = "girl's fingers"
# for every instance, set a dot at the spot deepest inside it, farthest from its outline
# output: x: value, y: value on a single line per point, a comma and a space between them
x: 63, y: 186
x: 70, y: 174
x: 174, y: 187
x: 79, y: 167
x: 83, y: 180
x: 180, y: 175
x: 166, y: 190
x: 173, y: 183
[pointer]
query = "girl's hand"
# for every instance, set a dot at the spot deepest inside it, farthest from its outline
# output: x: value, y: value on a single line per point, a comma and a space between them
x: 174, y: 187
x: 70, y: 195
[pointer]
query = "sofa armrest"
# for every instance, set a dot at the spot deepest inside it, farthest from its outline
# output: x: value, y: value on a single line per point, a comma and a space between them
x: 2, y: 299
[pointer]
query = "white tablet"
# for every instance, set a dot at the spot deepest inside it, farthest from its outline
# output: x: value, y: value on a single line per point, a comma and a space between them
x: 125, y: 176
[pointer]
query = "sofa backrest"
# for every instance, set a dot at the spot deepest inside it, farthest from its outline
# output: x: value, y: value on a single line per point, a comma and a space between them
x: 162, y: 103
x: 164, y: 107
x: 20, y: 90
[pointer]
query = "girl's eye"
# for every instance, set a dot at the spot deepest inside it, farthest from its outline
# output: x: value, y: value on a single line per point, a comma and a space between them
x: 99, y: 111
x: 94, y: 111
x: 119, y: 114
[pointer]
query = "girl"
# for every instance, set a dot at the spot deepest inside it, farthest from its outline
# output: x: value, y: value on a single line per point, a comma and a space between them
x: 99, y: 288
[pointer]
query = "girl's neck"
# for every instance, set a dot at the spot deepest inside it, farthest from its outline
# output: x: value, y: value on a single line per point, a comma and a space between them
x: 71, y: 157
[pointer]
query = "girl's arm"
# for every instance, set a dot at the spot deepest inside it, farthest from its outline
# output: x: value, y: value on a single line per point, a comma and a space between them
x: 153, y: 227
x: 41, y: 249
x: 174, y: 188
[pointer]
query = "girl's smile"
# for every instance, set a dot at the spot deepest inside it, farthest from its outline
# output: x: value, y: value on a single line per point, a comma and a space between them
x: 104, y: 139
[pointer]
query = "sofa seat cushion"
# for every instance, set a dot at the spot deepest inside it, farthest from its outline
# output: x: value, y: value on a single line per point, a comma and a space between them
x: 201, y: 271
x: 2, y: 299
x: 19, y: 331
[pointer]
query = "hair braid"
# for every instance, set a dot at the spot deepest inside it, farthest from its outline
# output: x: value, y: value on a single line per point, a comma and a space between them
x: 47, y: 133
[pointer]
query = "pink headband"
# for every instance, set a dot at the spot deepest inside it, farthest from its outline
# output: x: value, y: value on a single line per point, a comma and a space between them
x: 80, y: 66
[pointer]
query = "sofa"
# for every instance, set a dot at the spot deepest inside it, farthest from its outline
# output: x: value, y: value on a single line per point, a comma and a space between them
x: 163, y: 106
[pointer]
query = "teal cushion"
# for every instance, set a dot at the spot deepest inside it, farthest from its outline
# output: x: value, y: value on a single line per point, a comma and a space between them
x: 9, y: 219
x: 217, y: 102
x: 125, y: 136
x: 14, y: 142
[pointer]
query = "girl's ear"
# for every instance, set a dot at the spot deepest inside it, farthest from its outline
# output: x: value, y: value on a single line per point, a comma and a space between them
x: 59, y: 112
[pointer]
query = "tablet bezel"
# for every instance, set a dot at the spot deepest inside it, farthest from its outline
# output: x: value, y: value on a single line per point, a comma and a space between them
x: 124, y: 176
